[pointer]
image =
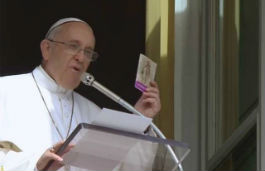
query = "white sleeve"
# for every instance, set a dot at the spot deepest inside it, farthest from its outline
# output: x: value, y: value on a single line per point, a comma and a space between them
x: 14, y: 161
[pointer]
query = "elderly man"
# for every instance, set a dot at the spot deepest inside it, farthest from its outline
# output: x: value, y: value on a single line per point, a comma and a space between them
x: 39, y: 110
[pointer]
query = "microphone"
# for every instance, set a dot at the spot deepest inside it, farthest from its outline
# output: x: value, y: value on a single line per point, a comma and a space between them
x: 89, y: 80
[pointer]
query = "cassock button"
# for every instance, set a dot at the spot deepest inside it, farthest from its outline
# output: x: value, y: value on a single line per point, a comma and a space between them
x: 67, y: 115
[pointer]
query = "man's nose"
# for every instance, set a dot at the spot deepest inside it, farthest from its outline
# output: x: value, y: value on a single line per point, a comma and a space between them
x: 80, y: 55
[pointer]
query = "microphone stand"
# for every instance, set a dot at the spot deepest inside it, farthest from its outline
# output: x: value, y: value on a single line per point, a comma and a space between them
x: 89, y: 80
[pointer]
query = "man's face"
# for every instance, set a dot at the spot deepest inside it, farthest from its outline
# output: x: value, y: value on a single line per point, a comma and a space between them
x: 64, y: 66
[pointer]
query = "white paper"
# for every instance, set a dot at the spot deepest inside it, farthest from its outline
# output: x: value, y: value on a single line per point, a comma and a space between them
x: 122, y: 121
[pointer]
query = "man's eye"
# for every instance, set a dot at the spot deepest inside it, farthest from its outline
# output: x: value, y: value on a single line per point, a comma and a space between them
x: 88, y: 52
x: 73, y: 46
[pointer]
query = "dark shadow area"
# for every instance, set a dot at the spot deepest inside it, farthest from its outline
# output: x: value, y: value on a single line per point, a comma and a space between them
x: 119, y: 28
x: 248, y: 57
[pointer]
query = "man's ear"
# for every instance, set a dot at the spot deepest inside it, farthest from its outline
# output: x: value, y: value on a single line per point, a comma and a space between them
x: 45, y: 49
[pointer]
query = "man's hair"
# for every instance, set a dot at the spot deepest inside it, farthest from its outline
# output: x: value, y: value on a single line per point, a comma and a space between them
x: 54, y: 32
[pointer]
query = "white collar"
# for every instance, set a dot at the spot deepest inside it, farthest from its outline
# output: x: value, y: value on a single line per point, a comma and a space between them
x: 44, y: 80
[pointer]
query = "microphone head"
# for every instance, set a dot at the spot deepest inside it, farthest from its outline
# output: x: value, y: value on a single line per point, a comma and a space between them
x: 87, y: 78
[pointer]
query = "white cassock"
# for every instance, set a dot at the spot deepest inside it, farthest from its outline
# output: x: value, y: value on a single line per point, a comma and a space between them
x: 26, y: 122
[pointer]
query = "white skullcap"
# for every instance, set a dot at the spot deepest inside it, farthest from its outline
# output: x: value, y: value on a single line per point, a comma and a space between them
x: 62, y: 21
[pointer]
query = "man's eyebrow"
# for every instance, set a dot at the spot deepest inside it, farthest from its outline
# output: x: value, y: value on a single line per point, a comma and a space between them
x: 78, y: 42
x: 74, y: 41
x: 89, y: 48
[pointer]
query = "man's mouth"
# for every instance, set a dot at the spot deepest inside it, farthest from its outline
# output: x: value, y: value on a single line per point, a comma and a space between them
x: 77, y: 69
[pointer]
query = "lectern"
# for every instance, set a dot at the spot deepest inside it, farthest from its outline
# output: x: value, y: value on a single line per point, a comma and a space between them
x: 104, y: 149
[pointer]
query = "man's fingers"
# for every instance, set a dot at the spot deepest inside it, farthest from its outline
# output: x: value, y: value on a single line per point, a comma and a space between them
x: 55, y: 157
x: 57, y: 146
x: 153, y: 84
x: 68, y: 148
x: 49, y: 155
x: 152, y: 90
x: 46, y: 157
x: 150, y: 94
x: 150, y: 100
